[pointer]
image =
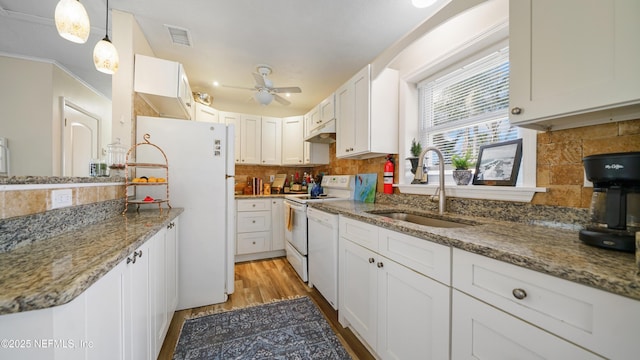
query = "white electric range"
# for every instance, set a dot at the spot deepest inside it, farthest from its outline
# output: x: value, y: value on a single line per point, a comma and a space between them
x: 335, y: 187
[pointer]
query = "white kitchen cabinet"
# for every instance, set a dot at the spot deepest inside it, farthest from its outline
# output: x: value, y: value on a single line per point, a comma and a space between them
x: 206, y: 113
x: 292, y: 140
x: 327, y: 109
x: 171, y: 253
x: 483, y: 332
x: 277, y: 224
x: 165, y: 86
x: 573, y: 63
x: 398, y: 311
x: 139, y: 304
x: 259, y: 228
x: 250, y: 139
x: 311, y: 120
x: 123, y: 315
x: 230, y: 118
x: 296, y: 151
x: 367, y: 115
x: 271, y: 141
x: 590, y: 318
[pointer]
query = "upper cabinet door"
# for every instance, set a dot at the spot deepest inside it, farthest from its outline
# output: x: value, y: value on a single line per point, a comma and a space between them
x: 233, y: 118
x: 206, y: 113
x: 573, y: 57
x: 292, y: 143
x: 271, y: 153
x: 250, y: 139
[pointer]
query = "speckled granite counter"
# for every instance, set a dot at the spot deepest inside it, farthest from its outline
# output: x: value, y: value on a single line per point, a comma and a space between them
x: 553, y: 251
x: 54, y: 271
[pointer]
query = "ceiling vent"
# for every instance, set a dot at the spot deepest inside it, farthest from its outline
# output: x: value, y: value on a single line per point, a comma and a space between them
x: 179, y: 36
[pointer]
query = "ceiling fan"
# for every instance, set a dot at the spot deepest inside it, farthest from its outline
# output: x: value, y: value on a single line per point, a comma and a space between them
x: 265, y: 92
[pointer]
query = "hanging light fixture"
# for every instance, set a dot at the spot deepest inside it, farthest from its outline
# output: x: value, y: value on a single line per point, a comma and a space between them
x: 105, y: 55
x: 72, y: 21
x: 263, y: 97
x: 422, y: 3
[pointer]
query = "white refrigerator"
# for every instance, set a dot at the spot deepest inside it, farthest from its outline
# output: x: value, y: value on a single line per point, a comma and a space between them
x: 200, y: 158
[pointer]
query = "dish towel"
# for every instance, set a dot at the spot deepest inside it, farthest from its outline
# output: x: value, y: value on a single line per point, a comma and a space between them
x: 288, y: 217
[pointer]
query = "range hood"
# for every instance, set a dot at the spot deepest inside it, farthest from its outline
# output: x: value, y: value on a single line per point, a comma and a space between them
x: 324, y: 134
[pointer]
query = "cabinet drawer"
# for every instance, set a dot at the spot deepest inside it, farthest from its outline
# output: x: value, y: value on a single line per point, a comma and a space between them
x: 251, y: 221
x: 423, y: 256
x: 360, y: 233
x: 255, y: 242
x: 597, y: 320
x: 254, y: 205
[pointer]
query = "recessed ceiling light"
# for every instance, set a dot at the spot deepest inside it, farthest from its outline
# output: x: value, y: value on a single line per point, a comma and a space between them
x: 215, y: 83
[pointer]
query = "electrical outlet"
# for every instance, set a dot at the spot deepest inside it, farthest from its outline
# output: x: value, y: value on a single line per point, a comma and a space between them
x: 61, y: 198
x: 271, y: 178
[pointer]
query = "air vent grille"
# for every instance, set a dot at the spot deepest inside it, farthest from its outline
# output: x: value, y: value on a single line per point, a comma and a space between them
x: 179, y: 36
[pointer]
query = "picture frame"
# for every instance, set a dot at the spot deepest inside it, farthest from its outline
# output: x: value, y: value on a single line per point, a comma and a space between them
x: 498, y: 164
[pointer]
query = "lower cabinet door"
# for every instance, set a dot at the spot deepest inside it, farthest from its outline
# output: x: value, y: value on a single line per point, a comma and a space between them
x: 253, y: 242
x: 138, y: 325
x: 359, y: 290
x: 413, y: 314
x: 480, y: 331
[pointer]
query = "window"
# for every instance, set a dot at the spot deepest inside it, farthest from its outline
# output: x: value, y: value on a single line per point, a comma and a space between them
x: 466, y: 107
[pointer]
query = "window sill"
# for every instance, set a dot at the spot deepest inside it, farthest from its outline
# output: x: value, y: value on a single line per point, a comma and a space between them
x: 504, y: 193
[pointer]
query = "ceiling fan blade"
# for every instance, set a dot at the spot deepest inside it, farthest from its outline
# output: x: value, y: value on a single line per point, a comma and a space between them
x: 259, y: 80
x: 239, y: 87
x: 284, y: 90
x: 281, y: 100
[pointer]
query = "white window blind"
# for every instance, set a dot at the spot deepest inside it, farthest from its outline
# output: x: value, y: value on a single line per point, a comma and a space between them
x: 467, y: 107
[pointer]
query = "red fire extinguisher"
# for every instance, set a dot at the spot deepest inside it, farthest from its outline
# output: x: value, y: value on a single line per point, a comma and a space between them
x: 388, y: 175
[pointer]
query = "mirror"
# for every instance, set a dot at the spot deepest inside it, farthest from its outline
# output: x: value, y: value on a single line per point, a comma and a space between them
x: 42, y: 107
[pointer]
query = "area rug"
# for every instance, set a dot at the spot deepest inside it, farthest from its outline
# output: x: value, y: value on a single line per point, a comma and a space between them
x: 287, y: 329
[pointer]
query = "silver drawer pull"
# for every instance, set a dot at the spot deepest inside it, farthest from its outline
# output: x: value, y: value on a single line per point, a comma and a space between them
x: 372, y: 260
x: 380, y: 265
x: 519, y: 294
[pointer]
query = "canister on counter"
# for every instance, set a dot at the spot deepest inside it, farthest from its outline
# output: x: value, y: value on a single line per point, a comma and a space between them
x: 266, y: 189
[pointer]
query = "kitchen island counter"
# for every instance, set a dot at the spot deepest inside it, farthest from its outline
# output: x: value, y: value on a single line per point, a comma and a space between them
x: 54, y: 271
x: 554, y: 251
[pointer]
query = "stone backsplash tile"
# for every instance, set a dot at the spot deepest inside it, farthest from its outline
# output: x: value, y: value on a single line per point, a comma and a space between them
x: 629, y: 128
x: 625, y: 143
x: 20, y: 203
x: 568, y: 174
x: 86, y: 195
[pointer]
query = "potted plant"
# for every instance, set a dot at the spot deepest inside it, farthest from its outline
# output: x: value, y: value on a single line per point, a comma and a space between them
x: 462, y: 175
x: 415, y: 150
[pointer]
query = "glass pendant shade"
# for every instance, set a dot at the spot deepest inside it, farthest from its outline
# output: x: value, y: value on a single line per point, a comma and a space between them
x: 72, y: 21
x: 422, y: 3
x: 263, y: 97
x: 105, y: 57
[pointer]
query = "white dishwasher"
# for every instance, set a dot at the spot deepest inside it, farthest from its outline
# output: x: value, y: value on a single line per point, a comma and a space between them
x: 323, y: 253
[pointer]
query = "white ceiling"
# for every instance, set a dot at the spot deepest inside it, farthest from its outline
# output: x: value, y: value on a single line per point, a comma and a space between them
x: 316, y: 45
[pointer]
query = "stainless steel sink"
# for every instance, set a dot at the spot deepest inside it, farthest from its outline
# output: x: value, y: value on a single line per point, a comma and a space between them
x: 421, y: 220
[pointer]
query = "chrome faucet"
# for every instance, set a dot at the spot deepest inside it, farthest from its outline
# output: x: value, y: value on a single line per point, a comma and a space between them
x: 442, y: 201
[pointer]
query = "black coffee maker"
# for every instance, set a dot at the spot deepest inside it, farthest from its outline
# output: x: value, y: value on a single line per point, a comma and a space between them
x: 615, y: 205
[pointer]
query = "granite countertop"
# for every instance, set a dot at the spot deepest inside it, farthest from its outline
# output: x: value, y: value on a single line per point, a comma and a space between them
x: 554, y: 251
x: 241, y: 197
x: 56, y: 270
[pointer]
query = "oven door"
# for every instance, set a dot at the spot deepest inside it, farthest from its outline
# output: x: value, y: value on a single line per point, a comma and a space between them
x: 295, y: 226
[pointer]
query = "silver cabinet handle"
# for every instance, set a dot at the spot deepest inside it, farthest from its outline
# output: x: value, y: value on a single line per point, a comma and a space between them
x: 516, y: 111
x: 380, y: 265
x: 519, y: 294
x: 129, y: 260
x: 371, y: 260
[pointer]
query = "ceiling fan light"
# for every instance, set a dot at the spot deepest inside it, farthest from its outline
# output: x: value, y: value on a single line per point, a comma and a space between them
x: 263, y: 97
x: 72, y: 21
x: 105, y: 57
x: 422, y: 3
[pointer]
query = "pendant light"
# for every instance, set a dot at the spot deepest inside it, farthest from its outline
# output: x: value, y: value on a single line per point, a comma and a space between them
x: 105, y: 55
x: 72, y: 21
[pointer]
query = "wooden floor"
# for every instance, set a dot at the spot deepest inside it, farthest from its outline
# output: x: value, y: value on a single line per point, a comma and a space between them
x: 263, y: 281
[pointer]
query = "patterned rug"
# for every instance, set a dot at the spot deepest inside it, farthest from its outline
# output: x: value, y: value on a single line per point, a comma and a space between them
x: 287, y: 329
